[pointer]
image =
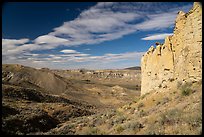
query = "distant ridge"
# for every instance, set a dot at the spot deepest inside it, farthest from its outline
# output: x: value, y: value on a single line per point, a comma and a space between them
x: 134, y: 68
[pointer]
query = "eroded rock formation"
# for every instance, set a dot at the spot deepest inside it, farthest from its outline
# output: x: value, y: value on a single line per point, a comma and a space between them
x: 179, y: 59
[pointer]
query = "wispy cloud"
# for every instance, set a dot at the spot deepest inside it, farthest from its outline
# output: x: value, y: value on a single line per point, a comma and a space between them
x: 69, y: 51
x: 102, y: 22
x: 74, y: 60
x: 157, y: 36
x: 49, y: 39
x: 109, y: 21
x: 8, y: 42
x: 105, y: 22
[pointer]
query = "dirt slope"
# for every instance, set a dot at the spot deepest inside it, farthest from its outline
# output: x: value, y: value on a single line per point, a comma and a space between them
x: 30, y: 77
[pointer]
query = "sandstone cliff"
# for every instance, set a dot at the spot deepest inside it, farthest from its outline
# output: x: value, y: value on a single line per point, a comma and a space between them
x: 179, y: 59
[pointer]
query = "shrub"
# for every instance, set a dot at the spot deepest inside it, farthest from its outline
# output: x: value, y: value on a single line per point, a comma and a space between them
x: 140, y: 105
x: 142, y: 113
x: 119, y: 119
x: 134, y: 126
x: 119, y: 129
x: 186, y: 91
x: 93, y: 131
x: 185, y: 88
x: 170, y: 117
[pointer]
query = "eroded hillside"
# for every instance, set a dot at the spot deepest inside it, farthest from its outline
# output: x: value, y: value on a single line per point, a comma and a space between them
x: 38, y: 100
x: 86, y: 102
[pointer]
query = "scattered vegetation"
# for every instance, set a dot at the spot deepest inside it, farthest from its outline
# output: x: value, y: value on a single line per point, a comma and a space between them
x: 142, y: 113
x: 119, y: 129
x: 93, y: 131
x: 140, y: 105
x: 170, y: 117
x: 186, y: 91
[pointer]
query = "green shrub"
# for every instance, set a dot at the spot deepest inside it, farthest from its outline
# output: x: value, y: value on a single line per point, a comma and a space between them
x: 186, y: 91
x: 186, y: 88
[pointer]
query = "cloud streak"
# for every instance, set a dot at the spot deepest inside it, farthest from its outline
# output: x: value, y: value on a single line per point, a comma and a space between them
x: 157, y: 36
x: 102, y: 22
x: 69, y: 51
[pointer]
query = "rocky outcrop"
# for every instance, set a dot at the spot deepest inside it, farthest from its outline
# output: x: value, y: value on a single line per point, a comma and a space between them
x: 106, y: 74
x: 125, y: 77
x: 179, y: 59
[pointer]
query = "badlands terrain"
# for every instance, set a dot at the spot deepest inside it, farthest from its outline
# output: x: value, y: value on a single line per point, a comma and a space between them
x: 43, y: 101
x: 164, y: 97
x: 37, y: 100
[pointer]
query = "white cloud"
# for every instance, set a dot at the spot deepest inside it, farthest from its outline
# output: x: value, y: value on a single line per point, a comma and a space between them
x: 100, y: 23
x: 69, y: 51
x: 56, y: 57
x: 7, y: 42
x: 49, y: 39
x: 157, y: 36
x: 109, y: 21
x: 158, y: 21
x: 81, y: 55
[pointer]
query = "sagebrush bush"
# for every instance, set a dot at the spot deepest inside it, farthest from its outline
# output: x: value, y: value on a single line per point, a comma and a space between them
x: 170, y: 117
x: 133, y: 126
x: 185, y: 88
x: 140, y: 105
x: 93, y: 131
x: 119, y: 129
x: 119, y: 119
x: 142, y: 113
x: 186, y: 91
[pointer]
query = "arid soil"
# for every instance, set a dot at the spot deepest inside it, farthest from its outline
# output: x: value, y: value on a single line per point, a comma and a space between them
x: 37, y: 100
x: 88, y: 106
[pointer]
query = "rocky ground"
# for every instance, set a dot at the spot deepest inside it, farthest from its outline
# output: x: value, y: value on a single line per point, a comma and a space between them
x: 177, y: 112
x: 89, y: 107
x: 30, y: 106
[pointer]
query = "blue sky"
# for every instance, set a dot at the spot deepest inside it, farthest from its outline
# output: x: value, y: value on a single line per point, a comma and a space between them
x: 73, y: 35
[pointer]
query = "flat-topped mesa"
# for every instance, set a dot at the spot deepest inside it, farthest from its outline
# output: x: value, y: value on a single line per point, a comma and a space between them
x: 179, y: 59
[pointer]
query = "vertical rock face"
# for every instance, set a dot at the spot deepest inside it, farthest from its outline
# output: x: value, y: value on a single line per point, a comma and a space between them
x: 179, y: 59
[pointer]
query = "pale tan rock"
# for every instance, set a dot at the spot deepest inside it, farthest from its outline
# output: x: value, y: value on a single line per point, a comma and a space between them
x: 179, y: 59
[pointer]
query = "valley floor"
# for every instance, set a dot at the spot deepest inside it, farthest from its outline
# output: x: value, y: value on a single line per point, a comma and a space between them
x: 88, y: 107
